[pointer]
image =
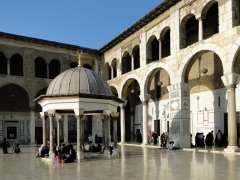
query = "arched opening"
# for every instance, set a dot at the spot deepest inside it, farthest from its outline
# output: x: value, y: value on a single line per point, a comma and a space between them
x: 114, y: 65
x: 87, y: 66
x: 41, y: 92
x: 210, y: 21
x: 136, y: 57
x: 16, y: 65
x: 107, y: 72
x: 157, y: 84
x: 165, y: 45
x: 73, y: 64
x: 131, y: 92
x: 204, y: 72
x: 126, y: 63
x: 40, y: 68
x: 3, y: 63
x: 54, y: 68
x: 152, y: 50
x: 14, y: 99
x: 189, y: 31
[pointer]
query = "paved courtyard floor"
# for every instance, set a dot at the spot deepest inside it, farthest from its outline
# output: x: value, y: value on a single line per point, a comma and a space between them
x: 136, y: 162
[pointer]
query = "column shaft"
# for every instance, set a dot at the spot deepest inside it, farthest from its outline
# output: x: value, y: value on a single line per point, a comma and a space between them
x: 58, y: 133
x: 123, y: 131
x: 160, y: 49
x: 232, y: 124
x: 44, y: 131
x: 200, y: 29
x: 132, y: 63
x: 51, y: 135
x: 112, y: 73
x: 145, y: 123
x: 65, y: 130
x: 32, y: 123
x: 8, y: 66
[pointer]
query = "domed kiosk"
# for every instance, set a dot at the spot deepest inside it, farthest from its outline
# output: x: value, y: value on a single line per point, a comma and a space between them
x: 80, y: 92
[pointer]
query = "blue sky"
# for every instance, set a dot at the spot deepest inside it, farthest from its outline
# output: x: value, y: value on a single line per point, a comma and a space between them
x: 88, y: 23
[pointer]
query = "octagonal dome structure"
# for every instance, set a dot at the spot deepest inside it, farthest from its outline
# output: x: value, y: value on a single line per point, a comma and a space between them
x: 79, y: 80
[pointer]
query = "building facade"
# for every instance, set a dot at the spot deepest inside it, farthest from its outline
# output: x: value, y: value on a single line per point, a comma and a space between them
x: 177, y: 68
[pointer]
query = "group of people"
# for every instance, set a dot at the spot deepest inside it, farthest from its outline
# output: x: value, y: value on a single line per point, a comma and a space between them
x: 90, y: 147
x: 152, y: 137
x: 5, y: 145
x: 62, y: 158
x: 164, y: 139
x: 220, y: 139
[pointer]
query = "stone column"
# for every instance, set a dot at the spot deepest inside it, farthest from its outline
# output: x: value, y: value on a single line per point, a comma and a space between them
x: 132, y: 110
x: 122, y: 119
x: 47, y: 70
x: 51, y: 129
x: 65, y: 129
x: 82, y: 124
x: 58, y: 118
x: 8, y: 66
x: 103, y: 130
x: 179, y: 114
x: 107, y: 132
x: 200, y: 29
x: 160, y: 48
x: 230, y: 80
x: 115, y: 116
x: 112, y: 73
x: 78, y: 113
x: 132, y: 62
x: 44, y: 128
x: 32, y: 122
x: 145, y: 98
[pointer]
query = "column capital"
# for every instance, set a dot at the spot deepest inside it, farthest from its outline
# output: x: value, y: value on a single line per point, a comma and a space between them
x: 58, y: 116
x: 79, y: 111
x: 123, y: 104
x: 115, y: 115
x: 144, y: 97
x: 32, y: 106
x: 231, y: 87
x: 51, y: 112
x: 230, y: 79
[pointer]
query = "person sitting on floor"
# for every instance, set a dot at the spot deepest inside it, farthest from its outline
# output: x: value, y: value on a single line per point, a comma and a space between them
x: 175, y: 145
x: 87, y: 147
x: 16, y: 149
x: 58, y: 158
x: 71, y: 157
x: 170, y: 146
x: 99, y: 147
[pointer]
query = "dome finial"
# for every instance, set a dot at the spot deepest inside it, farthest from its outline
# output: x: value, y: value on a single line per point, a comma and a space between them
x: 79, y: 57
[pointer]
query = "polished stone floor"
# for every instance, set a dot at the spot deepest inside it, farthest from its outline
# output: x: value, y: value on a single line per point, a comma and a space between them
x: 136, y: 162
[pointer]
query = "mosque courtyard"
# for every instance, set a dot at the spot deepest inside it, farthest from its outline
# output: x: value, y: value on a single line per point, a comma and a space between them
x: 136, y: 162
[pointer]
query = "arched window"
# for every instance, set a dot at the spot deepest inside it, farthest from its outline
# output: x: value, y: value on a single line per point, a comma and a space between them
x: 87, y: 66
x: 16, y: 65
x: 14, y: 99
x: 40, y: 68
x: 165, y: 36
x: 210, y: 23
x: 3, y: 64
x: 126, y: 63
x: 155, y: 50
x: 191, y: 31
x: 54, y: 68
x: 73, y: 65
x: 136, y: 56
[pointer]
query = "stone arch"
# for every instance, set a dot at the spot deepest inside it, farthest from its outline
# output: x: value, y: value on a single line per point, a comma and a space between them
x: 151, y: 69
x: 136, y: 56
x: 16, y: 65
x: 126, y: 62
x: 106, y: 71
x: 184, y: 30
x: 14, y: 98
x: 114, y: 90
x: 152, y: 50
x: 114, y: 65
x: 203, y: 47
x: 3, y: 63
x: 131, y: 76
x: 165, y: 37
x: 206, y: 8
x: 54, y: 68
x: 42, y: 91
x: 233, y: 54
